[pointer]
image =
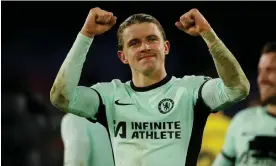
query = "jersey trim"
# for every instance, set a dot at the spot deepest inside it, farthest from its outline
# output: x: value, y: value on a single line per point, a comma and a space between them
x: 201, y: 114
x: 150, y: 87
x: 94, y: 120
x: 102, y: 119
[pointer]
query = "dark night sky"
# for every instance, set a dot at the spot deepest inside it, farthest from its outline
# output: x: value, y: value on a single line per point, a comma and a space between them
x: 47, y: 26
x: 36, y: 36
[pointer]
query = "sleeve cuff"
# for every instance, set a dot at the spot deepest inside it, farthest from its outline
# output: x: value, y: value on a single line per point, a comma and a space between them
x: 84, y: 39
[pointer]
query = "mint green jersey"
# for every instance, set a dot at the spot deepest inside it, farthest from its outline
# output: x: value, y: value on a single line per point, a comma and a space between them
x: 251, y: 140
x: 154, y: 125
x: 157, y: 125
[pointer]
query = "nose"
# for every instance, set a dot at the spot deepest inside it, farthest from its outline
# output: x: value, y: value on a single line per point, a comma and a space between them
x: 144, y: 47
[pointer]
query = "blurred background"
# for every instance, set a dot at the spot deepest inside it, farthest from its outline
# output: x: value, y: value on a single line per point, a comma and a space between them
x: 36, y: 36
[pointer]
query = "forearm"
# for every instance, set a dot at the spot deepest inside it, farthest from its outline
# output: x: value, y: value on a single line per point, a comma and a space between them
x: 228, y: 68
x: 69, y: 74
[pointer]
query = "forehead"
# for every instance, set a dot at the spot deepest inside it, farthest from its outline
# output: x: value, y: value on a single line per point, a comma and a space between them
x: 140, y: 30
x: 268, y: 60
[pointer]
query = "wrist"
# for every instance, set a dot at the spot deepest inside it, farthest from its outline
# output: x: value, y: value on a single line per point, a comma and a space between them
x: 210, y: 37
x: 86, y: 33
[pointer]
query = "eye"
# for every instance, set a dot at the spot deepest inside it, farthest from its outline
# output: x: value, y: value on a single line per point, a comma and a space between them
x: 152, y: 38
x: 133, y: 42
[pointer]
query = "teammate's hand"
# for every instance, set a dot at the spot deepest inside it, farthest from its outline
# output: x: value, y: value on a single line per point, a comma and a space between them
x: 193, y: 23
x: 97, y: 22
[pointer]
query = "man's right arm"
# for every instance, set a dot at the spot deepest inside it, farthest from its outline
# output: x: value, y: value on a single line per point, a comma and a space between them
x: 65, y: 93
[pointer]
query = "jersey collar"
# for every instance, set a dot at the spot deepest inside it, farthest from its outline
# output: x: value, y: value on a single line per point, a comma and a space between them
x: 150, y: 87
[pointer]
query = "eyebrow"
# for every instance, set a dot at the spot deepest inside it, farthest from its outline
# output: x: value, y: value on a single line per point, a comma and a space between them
x: 136, y: 39
x: 153, y: 36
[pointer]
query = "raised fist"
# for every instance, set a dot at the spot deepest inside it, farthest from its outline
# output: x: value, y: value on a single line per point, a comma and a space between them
x: 193, y: 23
x: 97, y: 22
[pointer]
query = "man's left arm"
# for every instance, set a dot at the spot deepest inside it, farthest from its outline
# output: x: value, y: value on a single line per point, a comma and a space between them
x: 233, y: 85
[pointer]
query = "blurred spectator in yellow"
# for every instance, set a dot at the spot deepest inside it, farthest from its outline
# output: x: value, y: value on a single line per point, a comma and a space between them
x: 213, y: 138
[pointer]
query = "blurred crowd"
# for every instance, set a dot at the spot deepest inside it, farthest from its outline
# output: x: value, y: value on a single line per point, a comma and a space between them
x: 30, y: 126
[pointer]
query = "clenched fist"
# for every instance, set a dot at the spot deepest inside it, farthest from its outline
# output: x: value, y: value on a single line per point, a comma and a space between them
x: 97, y: 22
x: 193, y: 23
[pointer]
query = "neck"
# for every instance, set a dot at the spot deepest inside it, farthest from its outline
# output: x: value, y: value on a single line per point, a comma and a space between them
x: 271, y: 109
x: 143, y: 80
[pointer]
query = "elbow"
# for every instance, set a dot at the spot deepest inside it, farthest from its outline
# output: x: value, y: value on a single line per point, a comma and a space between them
x: 54, y: 100
x: 58, y: 100
x: 239, y: 92
x: 53, y: 96
x: 245, y: 88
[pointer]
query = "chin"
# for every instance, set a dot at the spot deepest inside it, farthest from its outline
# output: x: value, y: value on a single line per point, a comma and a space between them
x: 148, y: 70
x: 268, y: 97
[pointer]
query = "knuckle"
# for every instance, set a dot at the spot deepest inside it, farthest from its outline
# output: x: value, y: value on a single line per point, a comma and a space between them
x: 95, y: 10
x: 92, y: 10
x: 106, y: 14
x: 194, y: 10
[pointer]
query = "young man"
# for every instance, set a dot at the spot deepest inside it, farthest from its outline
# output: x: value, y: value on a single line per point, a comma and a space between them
x: 154, y: 119
x: 85, y: 143
x: 251, y: 137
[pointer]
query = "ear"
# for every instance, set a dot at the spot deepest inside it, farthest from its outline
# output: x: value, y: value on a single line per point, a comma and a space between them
x: 122, y: 57
x: 167, y: 47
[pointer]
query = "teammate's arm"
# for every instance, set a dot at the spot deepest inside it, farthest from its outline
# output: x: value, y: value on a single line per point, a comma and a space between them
x: 65, y: 93
x: 75, y: 140
x: 234, y: 85
x: 227, y: 157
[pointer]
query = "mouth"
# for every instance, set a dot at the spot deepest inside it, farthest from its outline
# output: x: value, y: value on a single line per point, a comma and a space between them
x: 147, y: 56
x: 266, y: 86
x: 267, y: 90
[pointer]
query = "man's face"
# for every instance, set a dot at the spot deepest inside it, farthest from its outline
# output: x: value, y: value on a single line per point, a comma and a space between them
x: 267, y: 75
x: 144, y: 48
